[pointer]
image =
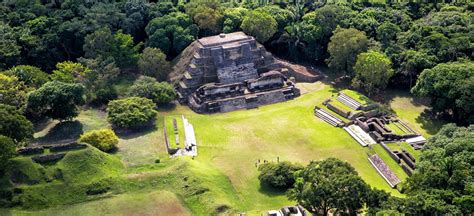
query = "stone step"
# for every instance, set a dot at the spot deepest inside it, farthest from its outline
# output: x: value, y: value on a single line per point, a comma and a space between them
x: 328, y: 118
x: 348, y: 102
x: 329, y: 121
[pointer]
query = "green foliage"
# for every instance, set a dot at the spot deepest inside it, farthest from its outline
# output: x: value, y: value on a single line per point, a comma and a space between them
x: 413, y: 62
x: 445, y: 162
x: 207, y: 15
x: 14, y: 124
x: 153, y: 63
x: 56, y: 100
x: 283, y: 17
x: 148, y: 87
x: 278, y: 175
x: 103, y: 139
x: 7, y: 151
x: 450, y: 87
x: 30, y: 75
x: 131, y: 112
x: 171, y: 33
x: 70, y: 72
x: 260, y: 25
x: 329, y: 184
x: 387, y: 33
x: 12, y: 91
x: 318, y: 27
x: 102, y: 72
x: 119, y: 46
x: 344, y: 47
x: 233, y: 19
x: 373, y: 70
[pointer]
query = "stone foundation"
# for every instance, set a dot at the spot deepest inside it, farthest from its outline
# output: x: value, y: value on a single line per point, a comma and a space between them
x: 230, y: 72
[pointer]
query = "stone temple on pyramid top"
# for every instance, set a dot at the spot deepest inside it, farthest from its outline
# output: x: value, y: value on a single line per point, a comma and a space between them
x: 228, y: 72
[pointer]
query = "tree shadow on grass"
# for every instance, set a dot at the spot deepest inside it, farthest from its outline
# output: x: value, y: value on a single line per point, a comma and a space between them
x: 41, y: 124
x: 63, y: 132
x: 428, y: 122
x: 167, y: 107
x: 270, y: 191
x: 127, y: 134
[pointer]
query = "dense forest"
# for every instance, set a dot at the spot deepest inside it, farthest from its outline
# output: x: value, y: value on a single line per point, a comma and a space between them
x: 94, y: 42
x: 58, y: 55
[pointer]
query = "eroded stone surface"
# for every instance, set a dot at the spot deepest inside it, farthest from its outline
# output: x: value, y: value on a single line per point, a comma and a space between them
x: 230, y: 72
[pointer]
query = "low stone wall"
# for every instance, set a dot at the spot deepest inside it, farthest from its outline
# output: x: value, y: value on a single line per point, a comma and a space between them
x: 232, y: 104
x: 389, y: 151
x: 48, y: 158
x: 67, y: 147
x: 31, y: 150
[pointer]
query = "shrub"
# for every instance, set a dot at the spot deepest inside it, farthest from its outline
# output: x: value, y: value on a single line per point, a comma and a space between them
x: 148, y: 87
x: 31, y: 76
x: 14, y: 125
x: 57, y: 100
x: 278, y: 175
x: 131, y: 112
x: 7, y: 151
x: 103, y: 139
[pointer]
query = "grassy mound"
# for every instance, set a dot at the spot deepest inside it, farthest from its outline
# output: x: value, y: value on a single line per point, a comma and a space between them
x: 89, y: 165
x: 80, y: 175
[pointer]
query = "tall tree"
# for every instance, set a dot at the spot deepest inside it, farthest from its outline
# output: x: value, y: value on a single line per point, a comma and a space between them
x: 450, y: 87
x: 119, y: 46
x: 70, y: 72
x: 413, y: 62
x: 233, y: 19
x: 153, y: 63
x: 14, y: 124
x: 344, y: 47
x: 171, y: 33
x: 260, y: 25
x: 373, y: 70
x: 12, y: 91
x: 56, y: 100
x: 30, y: 75
x: 330, y: 184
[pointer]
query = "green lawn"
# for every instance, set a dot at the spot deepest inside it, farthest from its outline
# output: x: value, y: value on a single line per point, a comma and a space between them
x: 223, y: 176
x: 364, y: 100
x: 412, y: 111
x: 144, y: 203
x: 406, y: 146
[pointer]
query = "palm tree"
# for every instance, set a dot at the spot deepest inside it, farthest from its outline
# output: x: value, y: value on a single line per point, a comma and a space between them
x: 292, y: 38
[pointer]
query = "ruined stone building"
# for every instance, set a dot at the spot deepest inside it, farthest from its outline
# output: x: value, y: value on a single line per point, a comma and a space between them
x: 232, y: 71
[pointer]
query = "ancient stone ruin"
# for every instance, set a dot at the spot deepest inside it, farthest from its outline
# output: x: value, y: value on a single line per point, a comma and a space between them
x: 232, y: 71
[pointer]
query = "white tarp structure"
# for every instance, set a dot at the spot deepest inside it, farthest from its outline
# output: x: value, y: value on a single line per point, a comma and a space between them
x: 359, y: 135
x: 416, y: 140
x: 190, y: 138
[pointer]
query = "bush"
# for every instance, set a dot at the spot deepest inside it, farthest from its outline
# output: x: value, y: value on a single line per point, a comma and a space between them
x: 103, y: 139
x: 7, y: 151
x: 14, y: 125
x: 131, y: 112
x: 278, y: 175
x: 56, y: 100
x: 31, y: 76
x: 104, y: 95
x: 148, y: 87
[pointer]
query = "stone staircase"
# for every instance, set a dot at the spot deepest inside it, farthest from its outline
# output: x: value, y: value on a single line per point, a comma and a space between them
x: 348, y: 101
x: 328, y: 117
